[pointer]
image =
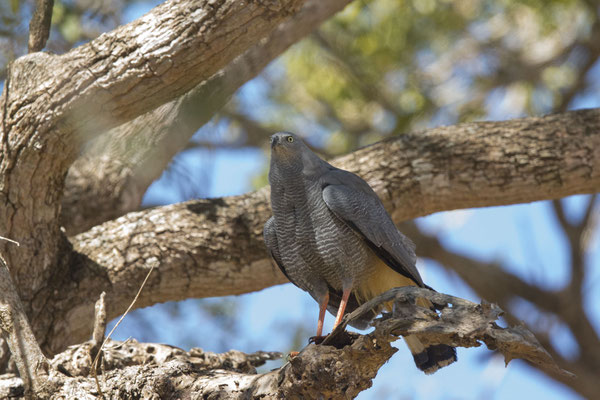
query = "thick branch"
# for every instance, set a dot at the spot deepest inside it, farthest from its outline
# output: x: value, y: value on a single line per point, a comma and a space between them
x: 139, y: 66
x: 484, y: 164
x: 118, y: 168
x: 340, y: 368
x: 214, y: 247
x: 201, y: 248
x: 50, y: 104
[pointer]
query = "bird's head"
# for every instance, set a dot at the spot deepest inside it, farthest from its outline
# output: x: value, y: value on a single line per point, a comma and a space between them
x: 290, y: 153
x: 286, y: 146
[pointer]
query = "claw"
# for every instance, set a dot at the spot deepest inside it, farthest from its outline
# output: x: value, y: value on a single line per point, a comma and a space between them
x: 317, y: 339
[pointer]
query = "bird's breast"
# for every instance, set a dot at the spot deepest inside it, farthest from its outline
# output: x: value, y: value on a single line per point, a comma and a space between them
x: 313, y: 242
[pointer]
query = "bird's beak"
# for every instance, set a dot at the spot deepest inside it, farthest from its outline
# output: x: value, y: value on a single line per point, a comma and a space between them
x: 274, y: 141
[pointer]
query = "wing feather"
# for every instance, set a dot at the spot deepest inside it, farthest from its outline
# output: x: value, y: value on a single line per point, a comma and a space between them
x: 352, y: 200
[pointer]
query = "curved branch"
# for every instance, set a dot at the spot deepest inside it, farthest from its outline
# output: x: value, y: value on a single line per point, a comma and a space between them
x: 457, y: 322
x: 139, y: 66
x: 214, y: 247
x: 112, y: 177
x: 503, y: 287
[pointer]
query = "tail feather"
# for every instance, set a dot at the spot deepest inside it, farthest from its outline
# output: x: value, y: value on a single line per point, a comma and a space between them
x: 428, y: 359
x: 431, y: 358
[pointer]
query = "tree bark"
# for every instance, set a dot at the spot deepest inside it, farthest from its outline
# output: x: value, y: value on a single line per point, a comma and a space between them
x: 39, y: 26
x: 15, y: 328
x: 340, y: 368
x: 490, y: 280
x: 135, y: 68
x: 214, y: 247
x: 52, y: 104
x: 117, y: 168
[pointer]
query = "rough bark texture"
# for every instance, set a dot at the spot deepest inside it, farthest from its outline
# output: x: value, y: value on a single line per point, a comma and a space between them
x: 484, y: 164
x: 340, y: 368
x: 107, y: 81
x: 113, y: 175
x: 495, y: 283
x: 201, y: 248
x: 39, y: 27
x: 214, y: 247
x: 14, y: 327
x: 456, y: 322
x: 141, y: 65
x: 52, y: 103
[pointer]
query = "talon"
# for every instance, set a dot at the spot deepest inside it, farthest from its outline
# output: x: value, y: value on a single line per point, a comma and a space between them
x: 317, y: 339
x: 293, y: 354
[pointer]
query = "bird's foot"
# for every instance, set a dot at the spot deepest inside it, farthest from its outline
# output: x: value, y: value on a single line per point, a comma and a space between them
x: 316, y: 339
x: 293, y: 354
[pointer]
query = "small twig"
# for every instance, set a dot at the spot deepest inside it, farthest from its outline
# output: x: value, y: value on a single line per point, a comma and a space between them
x: 39, y: 26
x: 576, y: 234
x: 10, y: 240
x: 559, y: 211
x: 95, y: 363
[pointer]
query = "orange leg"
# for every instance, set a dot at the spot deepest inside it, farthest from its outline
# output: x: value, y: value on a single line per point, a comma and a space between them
x: 342, y: 308
x: 322, y: 309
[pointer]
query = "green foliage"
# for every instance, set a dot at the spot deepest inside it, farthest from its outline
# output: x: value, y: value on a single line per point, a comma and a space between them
x: 14, y: 6
x: 385, y: 67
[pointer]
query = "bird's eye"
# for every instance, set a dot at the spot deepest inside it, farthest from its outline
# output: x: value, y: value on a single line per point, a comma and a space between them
x: 290, y: 139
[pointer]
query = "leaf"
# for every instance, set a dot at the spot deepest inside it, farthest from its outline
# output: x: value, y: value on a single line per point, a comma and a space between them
x: 14, y: 6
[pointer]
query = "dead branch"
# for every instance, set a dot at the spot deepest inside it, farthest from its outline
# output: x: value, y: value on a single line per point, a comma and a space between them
x: 99, y: 320
x: 459, y: 323
x: 340, y: 368
x: 496, y: 283
x: 99, y: 325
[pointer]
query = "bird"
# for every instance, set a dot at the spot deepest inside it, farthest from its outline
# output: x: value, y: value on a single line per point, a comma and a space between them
x: 331, y: 236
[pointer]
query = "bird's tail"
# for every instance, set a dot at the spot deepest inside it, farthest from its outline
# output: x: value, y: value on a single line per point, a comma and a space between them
x: 428, y: 358
x: 431, y: 358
